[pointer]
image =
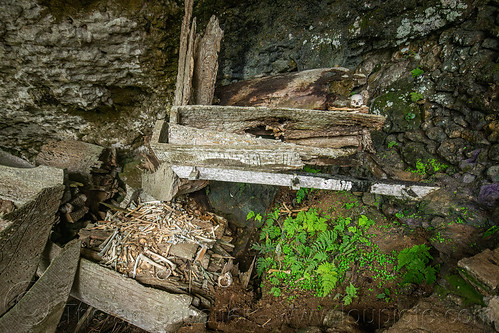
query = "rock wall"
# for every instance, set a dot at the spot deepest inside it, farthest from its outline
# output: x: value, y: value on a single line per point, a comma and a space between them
x: 98, y: 71
x: 432, y: 69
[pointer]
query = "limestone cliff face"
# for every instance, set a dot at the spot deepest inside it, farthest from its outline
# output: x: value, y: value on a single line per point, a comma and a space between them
x: 102, y: 70
x: 99, y: 71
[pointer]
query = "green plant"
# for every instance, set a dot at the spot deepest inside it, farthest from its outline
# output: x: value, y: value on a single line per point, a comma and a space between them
x: 313, y: 252
x: 392, y: 144
x: 410, y: 116
x: 416, y: 96
x: 351, y: 294
x: 431, y: 166
x: 490, y: 231
x: 301, y: 194
x: 385, y: 295
x: 415, y: 262
x: 417, y: 72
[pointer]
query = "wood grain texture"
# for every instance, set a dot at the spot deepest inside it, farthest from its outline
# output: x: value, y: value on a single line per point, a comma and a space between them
x: 40, y: 309
x: 150, y: 309
x: 405, y: 190
x: 309, y: 89
x: 206, y: 63
x: 238, y: 119
x: 183, y: 54
x: 285, y: 156
x: 23, y: 239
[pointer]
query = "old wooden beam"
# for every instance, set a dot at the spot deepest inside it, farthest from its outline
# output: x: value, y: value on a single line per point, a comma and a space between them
x: 41, y: 307
x: 311, y: 89
x: 206, y: 63
x: 37, y: 192
x: 185, y: 61
x: 21, y: 185
x: 77, y: 157
x: 406, y: 190
x: 151, y: 309
x: 269, y: 158
x: 240, y: 119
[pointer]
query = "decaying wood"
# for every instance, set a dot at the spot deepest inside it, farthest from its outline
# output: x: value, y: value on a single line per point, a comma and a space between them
x: 21, y: 185
x: 150, y: 309
x: 406, y: 190
x: 240, y: 119
x: 77, y: 157
x: 310, y: 89
x: 206, y: 63
x: 23, y: 238
x: 163, y: 184
x: 270, y: 158
x: 184, y: 62
x: 40, y: 309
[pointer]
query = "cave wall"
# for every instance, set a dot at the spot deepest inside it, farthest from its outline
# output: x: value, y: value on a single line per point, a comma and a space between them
x: 102, y: 71
x: 98, y: 71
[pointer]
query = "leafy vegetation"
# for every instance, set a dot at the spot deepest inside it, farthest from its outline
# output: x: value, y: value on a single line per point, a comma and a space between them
x: 313, y: 252
x: 302, y: 193
x: 415, y: 262
x: 416, y: 72
x: 416, y: 96
x: 392, y: 144
x: 430, y: 167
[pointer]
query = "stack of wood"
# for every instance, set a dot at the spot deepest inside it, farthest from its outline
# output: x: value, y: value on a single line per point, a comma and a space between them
x: 164, y: 244
x: 91, y: 173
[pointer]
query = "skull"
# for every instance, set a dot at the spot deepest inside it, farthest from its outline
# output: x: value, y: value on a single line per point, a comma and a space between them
x: 356, y: 101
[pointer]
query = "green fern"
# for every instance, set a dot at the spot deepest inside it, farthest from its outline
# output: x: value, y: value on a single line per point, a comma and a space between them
x: 415, y: 261
x: 325, y: 242
x: 351, y: 294
x: 328, y: 277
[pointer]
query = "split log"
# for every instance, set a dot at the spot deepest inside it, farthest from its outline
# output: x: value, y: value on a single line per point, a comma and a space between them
x: 311, y: 89
x: 186, y: 55
x: 206, y: 63
x: 289, y: 122
x: 150, y: 309
x: 40, y: 309
x: 26, y: 229
x: 405, y: 190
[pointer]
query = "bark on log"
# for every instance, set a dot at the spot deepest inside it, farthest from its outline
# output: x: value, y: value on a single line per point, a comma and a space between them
x: 240, y: 119
x: 310, y: 89
x: 40, y: 309
x: 23, y: 238
x: 150, y: 309
x: 206, y: 63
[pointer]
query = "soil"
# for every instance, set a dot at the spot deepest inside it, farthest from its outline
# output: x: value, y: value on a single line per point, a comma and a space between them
x: 253, y: 309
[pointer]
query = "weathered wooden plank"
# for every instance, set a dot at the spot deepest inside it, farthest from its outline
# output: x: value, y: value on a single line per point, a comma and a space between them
x: 23, y: 237
x: 40, y: 309
x: 77, y: 157
x: 150, y: 309
x: 21, y: 185
x: 185, y: 32
x: 186, y: 135
x: 311, y: 89
x: 269, y: 158
x: 240, y: 119
x: 206, y: 63
x: 164, y: 184
x: 406, y: 190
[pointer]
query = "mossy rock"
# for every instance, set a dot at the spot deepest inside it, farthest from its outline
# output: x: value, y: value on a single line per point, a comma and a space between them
x: 402, y: 114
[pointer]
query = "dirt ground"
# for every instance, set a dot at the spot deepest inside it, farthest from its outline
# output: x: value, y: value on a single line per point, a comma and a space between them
x: 255, y: 310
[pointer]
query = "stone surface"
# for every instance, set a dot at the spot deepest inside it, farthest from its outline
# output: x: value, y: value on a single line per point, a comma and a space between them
x: 339, y: 321
x: 490, y: 314
x: 434, y: 315
x: 236, y: 200
x: 97, y: 71
x: 482, y: 271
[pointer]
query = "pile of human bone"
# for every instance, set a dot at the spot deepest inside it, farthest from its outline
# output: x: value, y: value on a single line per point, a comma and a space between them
x: 164, y: 244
